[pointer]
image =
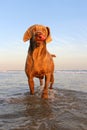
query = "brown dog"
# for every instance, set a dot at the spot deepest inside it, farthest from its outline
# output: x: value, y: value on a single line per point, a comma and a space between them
x: 39, y: 62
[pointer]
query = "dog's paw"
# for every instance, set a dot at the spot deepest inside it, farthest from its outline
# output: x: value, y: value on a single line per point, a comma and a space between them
x: 45, y: 95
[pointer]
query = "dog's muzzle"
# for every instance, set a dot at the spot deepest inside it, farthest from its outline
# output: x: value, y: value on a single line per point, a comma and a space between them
x: 40, y: 37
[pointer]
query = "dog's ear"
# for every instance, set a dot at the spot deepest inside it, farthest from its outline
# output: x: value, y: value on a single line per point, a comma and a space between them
x: 48, y: 39
x: 28, y: 34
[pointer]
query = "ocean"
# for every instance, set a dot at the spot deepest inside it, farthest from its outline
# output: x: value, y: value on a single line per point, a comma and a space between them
x: 65, y: 109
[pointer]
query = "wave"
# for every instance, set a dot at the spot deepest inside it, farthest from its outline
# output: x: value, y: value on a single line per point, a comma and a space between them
x: 71, y: 71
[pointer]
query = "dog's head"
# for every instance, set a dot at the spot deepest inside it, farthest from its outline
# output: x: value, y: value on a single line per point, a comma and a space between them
x: 38, y: 33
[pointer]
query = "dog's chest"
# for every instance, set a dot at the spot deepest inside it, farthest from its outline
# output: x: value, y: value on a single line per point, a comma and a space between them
x: 39, y: 65
x: 38, y: 68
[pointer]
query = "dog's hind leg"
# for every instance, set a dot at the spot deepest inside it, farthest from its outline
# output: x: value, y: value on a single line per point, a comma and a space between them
x: 41, y: 81
x: 51, y: 81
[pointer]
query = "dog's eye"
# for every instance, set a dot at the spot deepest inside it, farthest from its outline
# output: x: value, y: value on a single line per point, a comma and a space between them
x: 43, y: 30
x: 36, y: 34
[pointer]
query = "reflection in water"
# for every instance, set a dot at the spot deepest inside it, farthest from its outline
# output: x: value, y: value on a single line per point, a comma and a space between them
x: 38, y: 109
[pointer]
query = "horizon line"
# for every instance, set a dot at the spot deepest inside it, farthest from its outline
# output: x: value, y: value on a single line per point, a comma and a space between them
x: 54, y: 70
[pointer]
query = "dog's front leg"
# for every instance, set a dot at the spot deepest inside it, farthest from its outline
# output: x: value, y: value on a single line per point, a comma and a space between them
x: 51, y: 81
x: 45, y: 90
x: 31, y: 85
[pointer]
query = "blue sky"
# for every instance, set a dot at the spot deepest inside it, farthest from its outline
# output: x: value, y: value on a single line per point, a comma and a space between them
x: 67, y: 20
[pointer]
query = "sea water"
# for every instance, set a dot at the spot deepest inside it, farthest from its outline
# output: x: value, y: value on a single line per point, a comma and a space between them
x: 65, y: 109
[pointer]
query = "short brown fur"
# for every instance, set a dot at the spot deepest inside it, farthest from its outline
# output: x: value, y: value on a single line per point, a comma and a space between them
x: 39, y: 63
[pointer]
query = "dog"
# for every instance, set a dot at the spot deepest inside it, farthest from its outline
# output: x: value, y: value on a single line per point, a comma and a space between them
x: 39, y: 62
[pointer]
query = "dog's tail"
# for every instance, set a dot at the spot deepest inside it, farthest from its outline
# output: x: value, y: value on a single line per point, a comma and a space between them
x: 53, y: 55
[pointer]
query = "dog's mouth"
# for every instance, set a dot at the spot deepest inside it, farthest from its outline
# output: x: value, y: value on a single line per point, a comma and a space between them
x: 40, y: 37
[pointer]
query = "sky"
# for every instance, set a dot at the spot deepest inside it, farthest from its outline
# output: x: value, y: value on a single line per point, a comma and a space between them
x: 67, y: 20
